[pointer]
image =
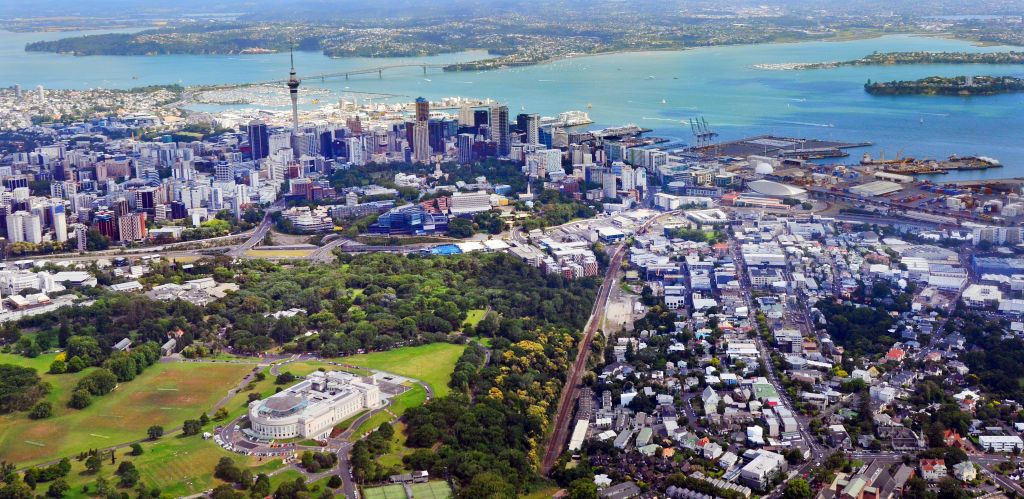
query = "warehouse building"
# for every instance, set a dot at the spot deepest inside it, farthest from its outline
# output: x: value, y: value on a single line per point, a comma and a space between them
x: 876, y: 188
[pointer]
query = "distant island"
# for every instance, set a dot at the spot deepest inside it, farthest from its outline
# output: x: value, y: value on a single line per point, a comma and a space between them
x: 510, y: 40
x: 900, y: 58
x: 939, y: 85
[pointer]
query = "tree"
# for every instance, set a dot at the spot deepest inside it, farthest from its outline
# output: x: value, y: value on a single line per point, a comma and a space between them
x: 42, y: 410
x: 96, y: 241
x: 582, y: 488
x: 221, y: 414
x: 386, y: 430
x: 136, y: 449
x: 102, y: 486
x: 80, y: 399
x: 99, y: 382
x: 488, y: 485
x: 191, y: 427
x: 203, y: 419
x: 20, y: 388
x: 85, y: 348
x: 94, y: 463
x: 334, y: 482
x: 284, y: 378
x: 58, y: 367
x: 76, y: 364
x: 261, y: 487
x: 128, y: 473
x: 154, y: 432
x: 227, y: 470
x: 57, y: 489
x: 797, y: 488
x: 460, y: 227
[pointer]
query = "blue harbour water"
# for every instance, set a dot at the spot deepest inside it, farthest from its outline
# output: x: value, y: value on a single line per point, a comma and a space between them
x: 658, y: 90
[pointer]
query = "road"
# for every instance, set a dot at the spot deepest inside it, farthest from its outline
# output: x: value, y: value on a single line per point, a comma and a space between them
x: 260, y: 232
x: 570, y: 391
x: 817, y: 451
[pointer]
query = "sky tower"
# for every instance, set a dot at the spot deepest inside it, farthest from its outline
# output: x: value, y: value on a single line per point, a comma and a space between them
x: 293, y: 89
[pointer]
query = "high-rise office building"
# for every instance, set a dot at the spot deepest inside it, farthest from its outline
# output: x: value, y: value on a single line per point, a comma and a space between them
x: 466, y: 147
x: 422, y: 109
x: 223, y: 172
x: 421, y: 142
x: 500, y: 129
x: 481, y: 118
x: 532, y: 129
x: 466, y: 116
x: 81, y: 237
x: 23, y: 226
x: 60, y: 222
x: 259, y: 140
x: 608, y: 183
x: 132, y: 227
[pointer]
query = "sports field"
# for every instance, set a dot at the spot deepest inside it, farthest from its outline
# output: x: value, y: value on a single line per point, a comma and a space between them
x: 165, y: 394
x: 431, y: 490
x: 432, y: 363
x: 385, y: 492
x: 436, y: 489
x: 278, y: 254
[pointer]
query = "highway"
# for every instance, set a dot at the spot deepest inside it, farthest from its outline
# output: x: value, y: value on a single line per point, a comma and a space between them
x: 260, y: 232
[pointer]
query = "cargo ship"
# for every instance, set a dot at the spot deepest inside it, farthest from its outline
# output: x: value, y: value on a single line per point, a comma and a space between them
x: 912, y: 166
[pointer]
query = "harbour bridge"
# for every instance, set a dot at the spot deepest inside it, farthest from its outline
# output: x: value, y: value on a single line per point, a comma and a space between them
x: 379, y: 70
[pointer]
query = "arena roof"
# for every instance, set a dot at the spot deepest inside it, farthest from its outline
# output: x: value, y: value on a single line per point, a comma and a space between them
x: 775, y: 189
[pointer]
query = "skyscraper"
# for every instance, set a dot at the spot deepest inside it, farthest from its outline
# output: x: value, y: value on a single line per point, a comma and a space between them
x: 259, y: 140
x: 533, y: 129
x: 480, y: 118
x: 499, y: 129
x: 422, y: 109
x: 60, y: 222
x: 421, y: 142
x: 465, y: 148
x: 293, y: 89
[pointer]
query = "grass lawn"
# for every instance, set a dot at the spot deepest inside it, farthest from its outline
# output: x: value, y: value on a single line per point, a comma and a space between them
x: 473, y: 317
x: 412, y: 398
x: 304, y: 368
x: 342, y: 426
x: 40, y: 363
x: 369, y: 425
x: 239, y: 402
x: 436, y: 489
x: 397, y: 449
x: 178, y: 466
x: 432, y: 363
x: 282, y: 477
x: 165, y: 394
x: 185, y: 259
x: 385, y: 492
x: 544, y: 492
x: 277, y: 254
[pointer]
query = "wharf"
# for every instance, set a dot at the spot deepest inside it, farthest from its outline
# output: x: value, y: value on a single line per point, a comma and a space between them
x: 781, y: 147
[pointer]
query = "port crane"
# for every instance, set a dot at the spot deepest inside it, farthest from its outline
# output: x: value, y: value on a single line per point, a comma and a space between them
x: 702, y: 132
